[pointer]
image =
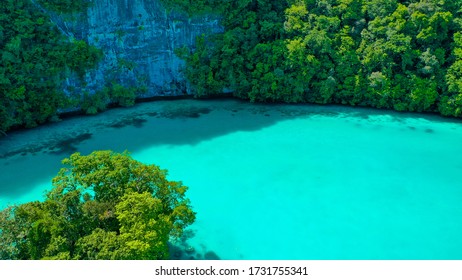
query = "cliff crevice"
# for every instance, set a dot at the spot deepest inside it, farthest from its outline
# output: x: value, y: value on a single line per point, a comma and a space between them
x: 138, y: 39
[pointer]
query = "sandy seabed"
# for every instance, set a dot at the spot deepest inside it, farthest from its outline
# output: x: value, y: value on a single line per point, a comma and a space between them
x: 275, y: 181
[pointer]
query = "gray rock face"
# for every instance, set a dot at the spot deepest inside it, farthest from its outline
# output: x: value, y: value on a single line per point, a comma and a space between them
x: 138, y: 38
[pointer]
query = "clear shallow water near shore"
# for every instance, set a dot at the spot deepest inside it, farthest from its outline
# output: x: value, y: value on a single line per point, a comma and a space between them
x: 276, y: 181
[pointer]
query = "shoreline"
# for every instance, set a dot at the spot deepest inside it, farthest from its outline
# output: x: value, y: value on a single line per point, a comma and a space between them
x: 74, y: 128
x: 80, y: 113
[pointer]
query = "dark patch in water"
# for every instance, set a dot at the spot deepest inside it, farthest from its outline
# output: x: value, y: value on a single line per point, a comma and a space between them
x: 186, y: 112
x: 332, y: 114
x: 69, y: 145
x: 183, y: 251
x: 308, y: 113
x: 267, y: 115
x: 138, y: 122
x: 133, y: 121
x: 411, y: 127
x: 153, y: 114
x: 210, y: 255
x: 176, y: 254
x: 117, y: 125
x: 429, y: 130
x: 179, y: 252
x: 23, y: 152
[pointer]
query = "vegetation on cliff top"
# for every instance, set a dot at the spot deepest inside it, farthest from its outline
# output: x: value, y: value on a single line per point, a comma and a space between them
x: 34, y: 59
x: 102, y: 206
x: 404, y: 55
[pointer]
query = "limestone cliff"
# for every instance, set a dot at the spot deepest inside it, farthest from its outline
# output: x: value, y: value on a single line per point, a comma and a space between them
x: 138, y: 38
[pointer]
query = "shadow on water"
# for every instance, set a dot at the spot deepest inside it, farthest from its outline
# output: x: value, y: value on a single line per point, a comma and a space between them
x: 190, y: 124
x: 19, y: 177
x: 138, y: 120
x: 33, y: 156
x: 32, y: 164
x: 187, y: 124
x: 65, y: 145
x: 188, y: 112
x: 69, y: 145
x: 190, y: 253
x: 181, y: 250
x: 182, y: 122
x: 129, y: 121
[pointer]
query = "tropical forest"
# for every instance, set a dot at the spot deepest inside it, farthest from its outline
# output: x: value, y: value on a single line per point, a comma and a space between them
x: 327, y: 128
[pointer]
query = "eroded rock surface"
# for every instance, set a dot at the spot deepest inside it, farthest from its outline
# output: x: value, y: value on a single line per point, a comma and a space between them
x: 138, y: 38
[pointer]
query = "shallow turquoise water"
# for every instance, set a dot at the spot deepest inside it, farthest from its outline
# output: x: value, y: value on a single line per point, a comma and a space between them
x: 281, y: 182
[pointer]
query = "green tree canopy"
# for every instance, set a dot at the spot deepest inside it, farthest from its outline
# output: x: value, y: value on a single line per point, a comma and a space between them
x: 404, y: 55
x: 102, y: 206
x: 35, y: 58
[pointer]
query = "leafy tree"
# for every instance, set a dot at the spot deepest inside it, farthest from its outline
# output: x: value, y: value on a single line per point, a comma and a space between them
x: 451, y: 102
x: 403, y: 55
x: 102, y: 206
x: 35, y: 58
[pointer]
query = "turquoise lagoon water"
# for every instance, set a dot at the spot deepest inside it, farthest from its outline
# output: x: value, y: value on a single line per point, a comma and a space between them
x: 277, y: 181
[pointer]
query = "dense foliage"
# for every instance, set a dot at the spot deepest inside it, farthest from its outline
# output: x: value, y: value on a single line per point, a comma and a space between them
x: 34, y: 59
x: 405, y: 55
x: 103, y: 206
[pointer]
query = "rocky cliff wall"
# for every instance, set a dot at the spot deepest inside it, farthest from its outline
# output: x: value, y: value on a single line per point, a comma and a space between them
x: 138, y: 39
